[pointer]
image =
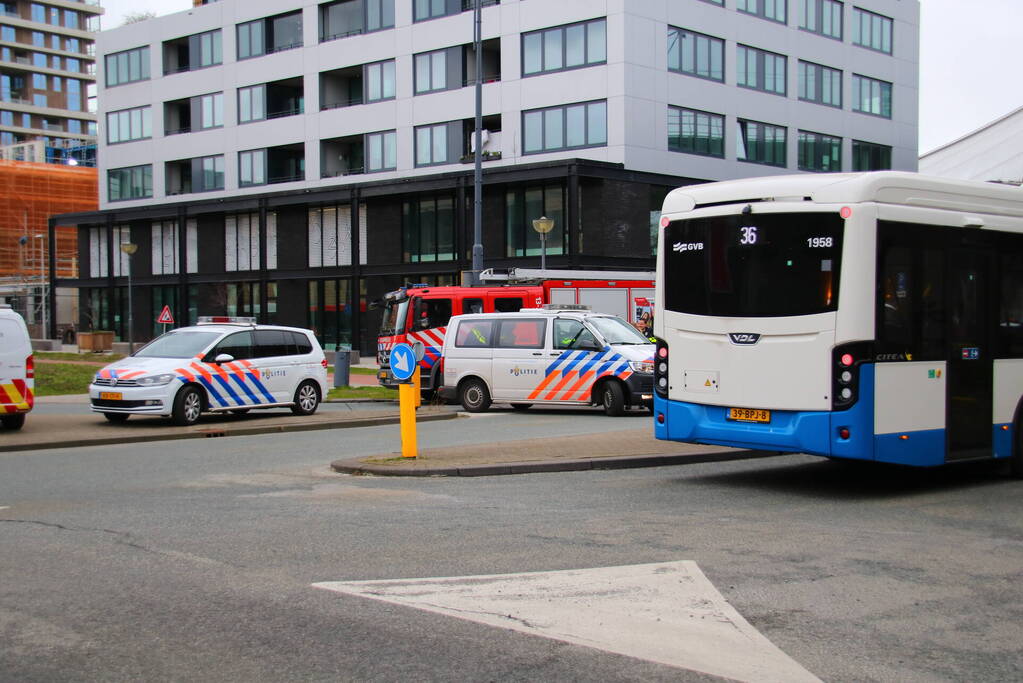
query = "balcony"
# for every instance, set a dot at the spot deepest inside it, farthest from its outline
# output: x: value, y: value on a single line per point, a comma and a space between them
x: 342, y: 156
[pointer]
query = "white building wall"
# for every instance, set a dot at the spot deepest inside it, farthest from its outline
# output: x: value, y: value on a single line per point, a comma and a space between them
x: 634, y: 81
x: 991, y: 153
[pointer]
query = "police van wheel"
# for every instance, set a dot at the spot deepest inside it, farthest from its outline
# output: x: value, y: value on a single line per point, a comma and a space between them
x: 116, y: 417
x: 521, y: 406
x: 187, y: 407
x: 307, y: 399
x: 475, y: 397
x: 13, y: 421
x: 613, y: 399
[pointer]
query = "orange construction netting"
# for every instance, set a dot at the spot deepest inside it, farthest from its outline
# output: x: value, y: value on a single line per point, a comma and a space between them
x: 29, y: 194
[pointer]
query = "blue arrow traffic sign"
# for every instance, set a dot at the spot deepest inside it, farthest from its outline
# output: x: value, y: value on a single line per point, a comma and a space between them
x: 403, y: 361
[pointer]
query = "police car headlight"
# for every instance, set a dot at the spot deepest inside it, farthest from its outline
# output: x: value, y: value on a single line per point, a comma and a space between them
x: 643, y: 367
x: 155, y: 380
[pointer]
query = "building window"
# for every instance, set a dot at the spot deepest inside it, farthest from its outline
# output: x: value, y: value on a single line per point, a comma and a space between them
x: 210, y: 48
x: 241, y: 241
x: 381, y: 151
x: 135, y: 182
x: 766, y: 9
x: 193, y: 52
x: 211, y: 173
x: 431, y: 9
x: 525, y: 204
x: 70, y: 18
x: 352, y: 17
x: 871, y: 96
x: 38, y: 14
x: 696, y: 54
x: 564, y: 47
x: 760, y: 143
x: 867, y: 156
x: 818, y: 152
x: 821, y: 16
x: 872, y: 31
x: 252, y: 167
x: 380, y: 81
x: 165, y: 247
x: 428, y: 229
x: 761, y: 70
x: 566, y: 127
x: 330, y: 236
x: 129, y: 124
x: 434, y: 143
x: 211, y: 109
x: 820, y: 84
x: 272, y: 34
x: 127, y: 67
x: 432, y: 71
x: 252, y: 103
x: 696, y: 132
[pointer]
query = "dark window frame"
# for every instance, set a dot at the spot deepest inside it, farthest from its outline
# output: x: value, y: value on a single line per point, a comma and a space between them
x: 711, y: 119
x: 713, y: 43
x: 761, y: 70
x: 544, y: 149
x: 761, y: 144
x: 563, y: 29
x: 760, y: 10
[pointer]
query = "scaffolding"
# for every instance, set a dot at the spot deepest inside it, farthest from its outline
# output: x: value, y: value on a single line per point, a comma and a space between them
x: 30, y: 193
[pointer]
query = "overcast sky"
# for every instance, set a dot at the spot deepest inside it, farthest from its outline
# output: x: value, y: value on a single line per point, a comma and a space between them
x: 967, y: 48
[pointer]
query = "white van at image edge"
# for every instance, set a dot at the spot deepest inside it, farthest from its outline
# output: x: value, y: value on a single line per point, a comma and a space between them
x: 17, y: 369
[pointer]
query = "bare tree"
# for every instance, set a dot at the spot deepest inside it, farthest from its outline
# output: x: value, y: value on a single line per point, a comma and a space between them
x: 136, y: 17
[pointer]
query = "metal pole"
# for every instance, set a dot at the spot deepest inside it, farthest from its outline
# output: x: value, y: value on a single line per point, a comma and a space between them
x: 477, y: 214
x: 543, y: 251
x: 131, y: 320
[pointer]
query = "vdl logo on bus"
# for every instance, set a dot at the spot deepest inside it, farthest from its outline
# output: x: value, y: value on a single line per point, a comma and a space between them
x: 744, y: 338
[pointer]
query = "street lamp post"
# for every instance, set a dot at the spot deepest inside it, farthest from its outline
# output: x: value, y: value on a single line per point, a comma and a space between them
x: 130, y: 248
x: 543, y: 225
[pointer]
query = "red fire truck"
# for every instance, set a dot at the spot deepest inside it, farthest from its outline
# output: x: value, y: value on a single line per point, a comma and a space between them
x: 420, y: 313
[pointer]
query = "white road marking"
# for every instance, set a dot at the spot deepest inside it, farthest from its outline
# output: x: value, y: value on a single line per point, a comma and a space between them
x: 668, y: 613
x: 5, y: 507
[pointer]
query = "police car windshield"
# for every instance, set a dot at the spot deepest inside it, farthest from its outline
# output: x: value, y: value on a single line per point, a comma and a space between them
x: 617, y: 331
x: 178, y: 344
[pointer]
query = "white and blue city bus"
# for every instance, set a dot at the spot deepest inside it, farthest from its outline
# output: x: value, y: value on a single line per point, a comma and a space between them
x: 871, y: 316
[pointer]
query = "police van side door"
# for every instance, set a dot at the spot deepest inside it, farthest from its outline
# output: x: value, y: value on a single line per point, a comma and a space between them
x: 519, y: 357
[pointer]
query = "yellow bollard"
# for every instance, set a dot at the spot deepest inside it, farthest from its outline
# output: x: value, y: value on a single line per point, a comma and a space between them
x: 417, y: 383
x: 408, y: 394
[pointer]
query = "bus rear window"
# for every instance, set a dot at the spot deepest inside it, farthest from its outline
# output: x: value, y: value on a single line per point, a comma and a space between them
x: 753, y: 265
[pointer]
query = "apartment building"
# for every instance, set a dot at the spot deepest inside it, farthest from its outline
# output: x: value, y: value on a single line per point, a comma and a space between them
x: 47, y: 68
x: 294, y: 159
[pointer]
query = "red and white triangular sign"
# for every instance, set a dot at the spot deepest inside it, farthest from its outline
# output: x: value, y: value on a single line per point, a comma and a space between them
x: 165, y: 316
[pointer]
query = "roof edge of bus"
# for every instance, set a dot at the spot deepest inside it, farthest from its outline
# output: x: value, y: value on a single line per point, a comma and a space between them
x: 886, y: 187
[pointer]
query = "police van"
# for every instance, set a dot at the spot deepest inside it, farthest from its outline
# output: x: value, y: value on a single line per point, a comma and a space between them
x: 220, y: 365
x: 555, y: 355
x: 17, y: 369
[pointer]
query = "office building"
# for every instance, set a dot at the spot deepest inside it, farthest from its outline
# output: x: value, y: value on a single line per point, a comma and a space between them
x: 295, y: 159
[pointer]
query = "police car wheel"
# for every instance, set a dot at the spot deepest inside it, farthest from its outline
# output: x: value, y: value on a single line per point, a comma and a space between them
x: 14, y: 421
x: 116, y: 417
x: 307, y: 399
x: 475, y: 397
x: 612, y: 399
x: 187, y: 407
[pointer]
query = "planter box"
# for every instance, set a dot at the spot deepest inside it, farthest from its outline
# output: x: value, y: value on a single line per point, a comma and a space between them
x: 95, y: 341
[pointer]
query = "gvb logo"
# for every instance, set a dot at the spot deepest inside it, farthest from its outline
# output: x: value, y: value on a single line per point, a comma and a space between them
x: 744, y: 338
x: 687, y: 246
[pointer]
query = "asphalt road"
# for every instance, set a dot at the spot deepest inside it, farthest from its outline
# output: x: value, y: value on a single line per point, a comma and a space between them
x: 171, y: 561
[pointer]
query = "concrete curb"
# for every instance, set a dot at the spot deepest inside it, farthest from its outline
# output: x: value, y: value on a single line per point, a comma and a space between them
x: 214, y: 432
x: 356, y: 466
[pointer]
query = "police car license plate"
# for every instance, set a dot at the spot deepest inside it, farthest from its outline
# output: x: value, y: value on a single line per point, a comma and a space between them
x: 111, y: 395
x: 749, y: 415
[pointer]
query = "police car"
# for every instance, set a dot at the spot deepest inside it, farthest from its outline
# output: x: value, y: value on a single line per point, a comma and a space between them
x: 556, y: 355
x: 219, y: 365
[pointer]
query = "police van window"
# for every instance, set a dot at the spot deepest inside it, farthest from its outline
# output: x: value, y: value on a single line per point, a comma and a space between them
x: 237, y: 345
x: 569, y: 333
x: 431, y: 313
x: 271, y: 343
x: 522, y: 334
x: 508, y: 305
x: 302, y: 343
x: 472, y: 305
x: 474, y: 334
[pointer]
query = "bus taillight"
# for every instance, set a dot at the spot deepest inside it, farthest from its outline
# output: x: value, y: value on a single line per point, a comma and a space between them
x: 661, y: 368
x: 845, y: 373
